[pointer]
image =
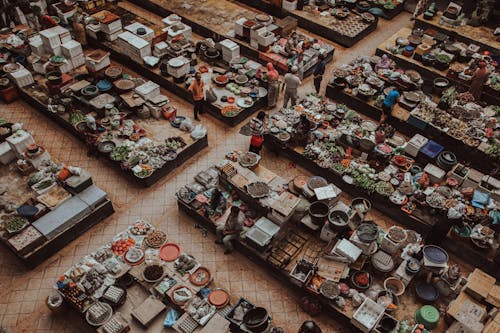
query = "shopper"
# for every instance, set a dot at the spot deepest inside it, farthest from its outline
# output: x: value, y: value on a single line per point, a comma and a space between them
x: 390, y: 100
x: 257, y: 130
x: 319, y: 71
x: 230, y: 230
x: 292, y: 83
x: 309, y: 326
x: 478, y: 80
x: 196, y: 89
x: 273, y: 85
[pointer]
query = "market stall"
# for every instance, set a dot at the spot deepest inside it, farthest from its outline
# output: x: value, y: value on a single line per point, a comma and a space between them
x: 305, y: 234
x: 225, y: 19
x: 482, y: 35
x: 44, y: 204
x: 452, y: 119
x: 439, y: 56
x: 365, y: 160
x: 116, y: 112
x: 142, y: 279
x: 345, y: 23
x: 172, y: 57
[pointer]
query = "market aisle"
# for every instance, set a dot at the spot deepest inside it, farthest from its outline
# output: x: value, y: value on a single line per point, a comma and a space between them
x: 23, y: 292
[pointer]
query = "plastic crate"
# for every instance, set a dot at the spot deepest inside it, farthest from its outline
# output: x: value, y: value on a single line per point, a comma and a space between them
x: 431, y: 149
x: 417, y: 122
x: 229, y: 316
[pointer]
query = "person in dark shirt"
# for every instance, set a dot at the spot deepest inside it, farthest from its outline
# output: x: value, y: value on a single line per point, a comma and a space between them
x: 230, y: 230
x: 319, y: 70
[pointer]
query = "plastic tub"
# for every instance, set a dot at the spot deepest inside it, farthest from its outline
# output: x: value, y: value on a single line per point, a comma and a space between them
x: 318, y: 212
x: 431, y: 149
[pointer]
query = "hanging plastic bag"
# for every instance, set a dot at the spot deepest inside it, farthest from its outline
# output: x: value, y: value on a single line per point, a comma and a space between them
x: 171, y: 318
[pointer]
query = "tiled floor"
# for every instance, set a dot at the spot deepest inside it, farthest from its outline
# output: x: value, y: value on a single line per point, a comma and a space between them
x: 23, y: 292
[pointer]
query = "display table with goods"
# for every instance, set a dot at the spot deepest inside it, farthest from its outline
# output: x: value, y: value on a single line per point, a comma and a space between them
x: 364, y: 160
x: 220, y: 19
x: 351, y: 268
x: 435, y: 56
x: 118, y: 114
x: 452, y: 119
x: 481, y: 35
x: 171, y: 59
x: 345, y: 23
x: 44, y: 205
x: 142, y: 278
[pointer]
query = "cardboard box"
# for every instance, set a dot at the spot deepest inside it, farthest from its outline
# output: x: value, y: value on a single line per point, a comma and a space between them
x: 479, y: 284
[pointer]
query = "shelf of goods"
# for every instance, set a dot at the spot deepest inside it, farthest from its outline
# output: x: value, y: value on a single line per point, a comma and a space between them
x: 44, y: 205
x: 141, y: 275
x: 280, y: 231
x: 221, y: 20
x: 353, y: 154
x: 340, y: 24
x: 439, y: 113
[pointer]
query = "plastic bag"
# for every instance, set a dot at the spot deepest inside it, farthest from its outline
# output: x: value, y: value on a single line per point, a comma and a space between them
x: 198, y: 132
x: 456, y: 212
x: 171, y: 318
x: 186, y: 125
x: 210, y: 96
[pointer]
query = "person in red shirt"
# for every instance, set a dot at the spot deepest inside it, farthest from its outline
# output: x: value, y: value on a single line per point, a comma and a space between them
x: 196, y: 89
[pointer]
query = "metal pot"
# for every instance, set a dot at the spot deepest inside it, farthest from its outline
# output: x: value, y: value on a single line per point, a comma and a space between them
x: 256, y: 319
x: 338, y: 220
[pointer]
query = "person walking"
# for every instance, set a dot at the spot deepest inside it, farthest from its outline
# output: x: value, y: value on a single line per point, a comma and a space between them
x: 196, y: 89
x: 230, y: 230
x: 319, y: 71
x: 257, y: 130
x: 390, y: 100
x: 292, y: 83
x: 273, y: 85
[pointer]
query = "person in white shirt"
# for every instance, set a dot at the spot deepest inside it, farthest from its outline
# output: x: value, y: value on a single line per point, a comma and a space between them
x: 292, y: 83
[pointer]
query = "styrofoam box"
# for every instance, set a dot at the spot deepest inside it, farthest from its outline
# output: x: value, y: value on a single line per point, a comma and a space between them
x: 238, y: 26
x: 289, y: 5
x: 97, y: 66
x: 50, y: 37
x: 136, y: 25
x: 112, y: 27
x: 171, y: 20
x: 92, y: 30
x: 7, y: 155
x: 71, y: 49
x: 415, y: 143
x: 436, y: 174
x: 22, y: 77
x: 114, y: 36
x: 78, y: 61
x: 66, y: 67
x: 20, y: 142
x: 148, y: 90
x: 367, y: 315
x: 36, y: 45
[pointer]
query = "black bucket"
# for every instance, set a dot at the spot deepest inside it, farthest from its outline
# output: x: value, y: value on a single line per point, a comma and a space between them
x: 318, y: 212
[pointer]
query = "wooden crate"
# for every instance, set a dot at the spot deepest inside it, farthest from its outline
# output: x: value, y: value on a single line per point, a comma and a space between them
x: 479, y: 284
x: 493, y: 297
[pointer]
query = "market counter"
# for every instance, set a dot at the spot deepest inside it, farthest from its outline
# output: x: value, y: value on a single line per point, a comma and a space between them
x: 185, y: 154
x: 431, y: 227
x: 467, y: 34
x: 477, y: 159
x: 344, y: 32
x: 428, y: 72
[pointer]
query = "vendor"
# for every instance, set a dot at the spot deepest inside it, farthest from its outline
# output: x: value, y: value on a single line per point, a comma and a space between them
x: 273, y: 85
x: 301, y: 131
x: 309, y: 326
x: 479, y: 80
x: 390, y: 100
x: 230, y: 230
x: 217, y: 204
x: 384, y: 63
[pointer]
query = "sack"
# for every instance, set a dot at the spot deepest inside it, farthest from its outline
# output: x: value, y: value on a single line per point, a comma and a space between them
x: 186, y: 125
x: 210, y: 96
x: 198, y: 132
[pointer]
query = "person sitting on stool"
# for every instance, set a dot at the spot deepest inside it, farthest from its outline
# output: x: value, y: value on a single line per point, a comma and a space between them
x: 390, y: 100
x: 230, y: 230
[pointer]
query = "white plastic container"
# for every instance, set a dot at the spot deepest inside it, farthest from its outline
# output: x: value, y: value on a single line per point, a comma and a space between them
x: 78, y: 61
x: 436, y: 174
x: 415, y: 143
x: 289, y: 5
x: 148, y: 90
x: 7, y: 155
x: 22, y: 77
x: 71, y: 49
